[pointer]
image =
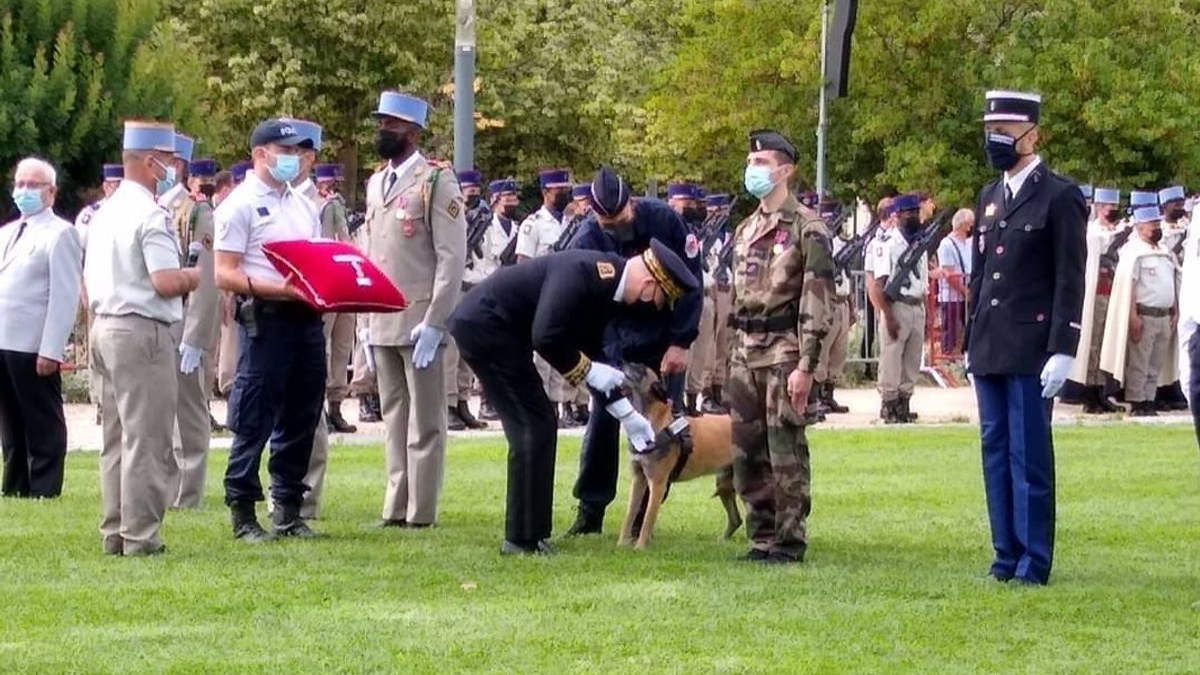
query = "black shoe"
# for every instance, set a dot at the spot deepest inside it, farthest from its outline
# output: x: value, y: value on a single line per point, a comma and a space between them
x: 464, y: 414
x: 690, y: 408
x: 784, y: 558
x: 1107, y: 406
x: 245, y: 524
x: 1143, y: 409
x: 369, y: 409
x: 830, y: 402
x: 890, y: 413
x: 754, y: 555
x: 288, y: 522
x: 389, y: 523
x: 486, y: 412
x: 1091, y: 401
x: 526, y: 548
x: 582, y: 415
x: 905, y: 410
x: 453, y: 421
x: 337, y: 423
x: 588, y: 520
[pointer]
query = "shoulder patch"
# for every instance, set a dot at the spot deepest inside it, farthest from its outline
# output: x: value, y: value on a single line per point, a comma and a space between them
x: 263, y: 211
x: 606, y: 270
x: 691, y: 246
x: 454, y: 208
x: 527, y: 227
x: 86, y: 217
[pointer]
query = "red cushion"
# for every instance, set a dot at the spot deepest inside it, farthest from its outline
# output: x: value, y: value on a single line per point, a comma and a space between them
x: 335, y: 277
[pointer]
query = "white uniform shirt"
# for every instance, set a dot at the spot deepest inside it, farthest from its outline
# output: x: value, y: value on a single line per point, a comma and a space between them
x: 538, y: 233
x: 872, y: 250
x: 39, y: 285
x: 84, y: 220
x: 1154, y: 279
x: 492, y: 245
x: 129, y: 240
x: 255, y: 214
x: 891, y: 246
x: 954, y: 255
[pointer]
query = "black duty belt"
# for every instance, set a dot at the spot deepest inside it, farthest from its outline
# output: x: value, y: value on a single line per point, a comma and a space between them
x: 286, y: 308
x: 1153, y: 311
x: 905, y: 300
x: 773, y: 323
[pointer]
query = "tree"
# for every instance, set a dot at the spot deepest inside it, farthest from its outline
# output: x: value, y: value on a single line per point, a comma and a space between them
x: 72, y: 71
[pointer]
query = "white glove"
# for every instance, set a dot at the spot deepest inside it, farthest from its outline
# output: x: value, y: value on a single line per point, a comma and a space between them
x: 189, y: 358
x: 364, y: 341
x: 426, y: 340
x: 603, y: 378
x: 1054, y: 374
x: 636, y: 426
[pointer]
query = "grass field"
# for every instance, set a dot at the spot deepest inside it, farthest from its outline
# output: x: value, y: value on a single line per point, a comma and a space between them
x: 893, y: 584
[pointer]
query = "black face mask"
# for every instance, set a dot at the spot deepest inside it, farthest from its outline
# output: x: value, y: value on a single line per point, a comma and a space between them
x: 509, y: 212
x: 560, y: 200
x: 911, y: 224
x: 1001, y: 150
x: 1155, y: 235
x: 473, y: 202
x: 1113, y: 217
x: 390, y: 145
x: 208, y: 190
x: 1176, y: 214
x: 695, y: 215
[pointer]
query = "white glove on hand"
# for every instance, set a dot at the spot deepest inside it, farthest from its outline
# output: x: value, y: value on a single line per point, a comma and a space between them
x: 1054, y: 374
x: 604, y: 378
x: 189, y: 358
x: 364, y: 342
x: 426, y: 340
x: 637, y: 427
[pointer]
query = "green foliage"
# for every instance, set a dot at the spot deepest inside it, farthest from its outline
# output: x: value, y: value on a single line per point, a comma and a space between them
x: 72, y: 71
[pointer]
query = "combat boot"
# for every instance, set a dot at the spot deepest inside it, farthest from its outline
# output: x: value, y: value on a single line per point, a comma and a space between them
x: 453, y: 421
x: 245, y: 524
x: 337, y: 423
x: 713, y: 405
x: 890, y: 412
x: 690, y: 408
x: 369, y: 408
x: 905, y: 410
x: 1091, y: 401
x: 588, y: 520
x: 1107, y: 406
x: 288, y: 522
x: 487, y: 412
x: 816, y: 410
x: 464, y: 414
x: 829, y: 401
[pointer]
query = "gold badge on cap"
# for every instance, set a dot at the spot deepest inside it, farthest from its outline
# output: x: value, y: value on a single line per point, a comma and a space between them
x: 606, y: 270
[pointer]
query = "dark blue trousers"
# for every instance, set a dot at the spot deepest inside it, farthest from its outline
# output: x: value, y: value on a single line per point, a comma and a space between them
x: 277, y: 397
x: 1018, y: 474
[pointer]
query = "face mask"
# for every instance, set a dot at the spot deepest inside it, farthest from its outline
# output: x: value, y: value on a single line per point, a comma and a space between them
x: 286, y: 168
x: 694, y: 215
x: 1113, y: 216
x: 560, y: 200
x: 758, y: 181
x: 167, y: 182
x: 28, y: 200
x: 473, y: 202
x: 208, y: 190
x: 1155, y: 235
x: 911, y: 224
x: 509, y: 212
x: 1001, y: 150
x: 1176, y: 213
x: 390, y: 145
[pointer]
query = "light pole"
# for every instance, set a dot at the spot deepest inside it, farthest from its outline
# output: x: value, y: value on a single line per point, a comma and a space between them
x: 464, y: 86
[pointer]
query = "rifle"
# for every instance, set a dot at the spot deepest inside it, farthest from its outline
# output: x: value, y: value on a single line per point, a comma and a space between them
x: 1109, y: 257
x: 478, y: 222
x: 854, y: 248
x: 568, y: 233
x: 355, y: 220
x: 925, y: 242
x: 1177, y: 249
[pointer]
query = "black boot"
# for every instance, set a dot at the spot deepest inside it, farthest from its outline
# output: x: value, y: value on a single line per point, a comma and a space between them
x: 816, y: 409
x: 1105, y: 405
x: 1091, y: 401
x: 369, y: 408
x: 829, y: 401
x: 589, y: 519
x: 453, y: 421
x: 288, y: 522
x: 337, y: 423
x: 905, y: 410
x: 464, y: 413
x: 487, y: 412
x: 245, y: 523
x: 713, y: 405
x: 890, y: 412
x: 690, y: 408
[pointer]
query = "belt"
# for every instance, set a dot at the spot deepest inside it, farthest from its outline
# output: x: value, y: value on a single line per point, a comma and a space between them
x: 905, y: 300
x: 1153, y: 311
x: 285, y: 308
x: 134, y: 316
x: 765, y: 324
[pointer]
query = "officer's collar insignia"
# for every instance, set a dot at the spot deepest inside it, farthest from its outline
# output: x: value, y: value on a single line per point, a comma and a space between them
x: 990, y: 210
x: 262, y: 211
x: 606, y: 270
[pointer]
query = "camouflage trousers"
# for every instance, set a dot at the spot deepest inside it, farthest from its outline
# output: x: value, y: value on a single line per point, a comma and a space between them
x: 770, y: 463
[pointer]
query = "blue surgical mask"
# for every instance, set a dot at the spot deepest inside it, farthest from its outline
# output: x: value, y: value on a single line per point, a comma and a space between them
x: 758, y: 181
x: 286, y: 168
x: 28, y: 200
x: 167, y: 182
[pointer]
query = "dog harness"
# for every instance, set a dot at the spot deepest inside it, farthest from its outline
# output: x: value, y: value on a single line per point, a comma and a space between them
x: 678, y: 430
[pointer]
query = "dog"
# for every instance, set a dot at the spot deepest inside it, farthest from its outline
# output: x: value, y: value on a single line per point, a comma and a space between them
x: 712, y: 454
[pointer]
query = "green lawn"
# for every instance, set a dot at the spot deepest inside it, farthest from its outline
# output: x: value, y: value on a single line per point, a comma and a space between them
x: 893, y: 584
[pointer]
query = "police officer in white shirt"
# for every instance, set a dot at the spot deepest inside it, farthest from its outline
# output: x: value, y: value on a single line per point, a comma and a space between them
x: 40, y: 264
x: 134, y: 285
x: 540, y: 230
x: 280, y: 384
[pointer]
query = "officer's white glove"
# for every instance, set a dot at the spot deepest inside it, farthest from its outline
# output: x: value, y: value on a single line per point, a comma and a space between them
x: 426, y: 340
x: 603, y: 378
x: 189, y: 358
x: 636, y: 426
x: 1054, y: 374
x: 364, y: 341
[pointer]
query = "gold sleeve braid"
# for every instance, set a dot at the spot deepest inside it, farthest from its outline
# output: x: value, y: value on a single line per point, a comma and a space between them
x: 576, y: 374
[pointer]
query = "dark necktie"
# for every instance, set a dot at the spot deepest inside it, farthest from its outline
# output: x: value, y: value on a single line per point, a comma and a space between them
x: 13, y: 242
x: 1008, y: 195
x: 391, y: 181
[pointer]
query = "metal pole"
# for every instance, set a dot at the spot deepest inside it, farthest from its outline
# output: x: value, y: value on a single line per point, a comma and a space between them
x: 651, y: 188
x: 464, y: 86
x: 821, y: 118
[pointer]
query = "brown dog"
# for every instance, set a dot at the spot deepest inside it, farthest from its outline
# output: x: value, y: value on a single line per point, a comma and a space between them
x: 712, y: 453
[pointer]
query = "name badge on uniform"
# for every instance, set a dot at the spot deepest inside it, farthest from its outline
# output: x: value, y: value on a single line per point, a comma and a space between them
x: 989, y: 210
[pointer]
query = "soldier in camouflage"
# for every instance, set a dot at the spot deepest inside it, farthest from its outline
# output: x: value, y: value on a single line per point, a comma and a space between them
x: 783, y: 305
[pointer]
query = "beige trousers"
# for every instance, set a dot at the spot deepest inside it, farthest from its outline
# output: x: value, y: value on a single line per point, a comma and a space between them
x: 193, y: 433
x: 228, y: 352
x: 459, y: 378
x: 339, y: 342
x: 363, y: 381
x: 1145, y: 358
x: 718, y: 371
x: 134, y: 359
x: 700, y: 356
x: 900, y: 359
x: 414, y: 417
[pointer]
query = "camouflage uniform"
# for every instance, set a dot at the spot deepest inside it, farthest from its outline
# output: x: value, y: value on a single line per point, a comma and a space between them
x: 782, y: 267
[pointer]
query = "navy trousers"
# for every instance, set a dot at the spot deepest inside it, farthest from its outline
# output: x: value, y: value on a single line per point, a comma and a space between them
x: 1018, y: 474
x: 277, y: 397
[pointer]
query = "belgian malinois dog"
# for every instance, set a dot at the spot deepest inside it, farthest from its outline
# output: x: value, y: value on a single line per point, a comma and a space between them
x: 712, y: 454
